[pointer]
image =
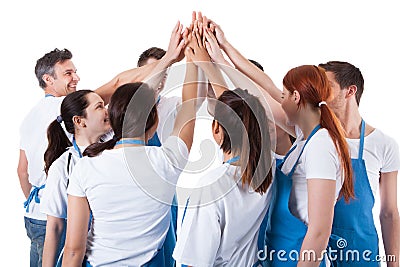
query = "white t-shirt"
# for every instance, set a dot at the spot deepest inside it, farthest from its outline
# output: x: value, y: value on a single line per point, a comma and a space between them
x: 381, y: 154
x: 33, y: 134
x: 222, y: 222
x: 167, y: 111
x: 54, y: 199
x: 319, y: 160
x: 129, y: 191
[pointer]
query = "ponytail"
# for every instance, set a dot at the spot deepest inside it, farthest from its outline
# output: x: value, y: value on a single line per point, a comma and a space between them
x: 313, y: 85
x: 95, y: 149
x: 247, y: 137
x: 330, y: 122
x: 58, y: 144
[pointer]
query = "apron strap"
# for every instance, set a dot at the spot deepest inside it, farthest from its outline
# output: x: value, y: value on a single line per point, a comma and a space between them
x: 301, y: 152
x: 34, y: 194
x: 361, y: 147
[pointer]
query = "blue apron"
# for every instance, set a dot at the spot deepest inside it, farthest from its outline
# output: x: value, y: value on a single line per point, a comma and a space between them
x: 283, y: 230
x: 353, y: 223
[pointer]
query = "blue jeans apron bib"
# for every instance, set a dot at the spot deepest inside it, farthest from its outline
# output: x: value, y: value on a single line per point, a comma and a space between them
x: 284, y: 232
x: 353, y: 230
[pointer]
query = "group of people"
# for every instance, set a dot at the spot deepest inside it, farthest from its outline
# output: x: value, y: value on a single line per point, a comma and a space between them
x: 300, y: 173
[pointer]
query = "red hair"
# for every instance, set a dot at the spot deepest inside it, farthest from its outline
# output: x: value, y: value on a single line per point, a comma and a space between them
x: 313, y: 86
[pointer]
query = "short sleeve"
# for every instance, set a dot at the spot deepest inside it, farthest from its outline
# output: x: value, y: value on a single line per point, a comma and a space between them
x: 200, y: 236
x: 75, y: 185
x: 54, y: 198
x: 321, y: 158
x: 177, y: 154
x: 391, y: 157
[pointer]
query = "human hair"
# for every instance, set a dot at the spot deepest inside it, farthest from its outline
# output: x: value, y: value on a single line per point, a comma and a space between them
x: 258, y: 65
x: 313, y: 86
x: 346, y: 74
x: 74, y: 104
x: 245, y: 133
x: 45, y: 64
x: 152, y: 52
x: 128, y: 120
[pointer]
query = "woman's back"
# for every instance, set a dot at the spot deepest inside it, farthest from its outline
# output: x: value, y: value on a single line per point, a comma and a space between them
x: 130, y: 220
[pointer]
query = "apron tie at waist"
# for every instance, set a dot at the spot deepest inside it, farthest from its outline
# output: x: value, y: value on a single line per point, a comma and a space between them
x: 34, y: 194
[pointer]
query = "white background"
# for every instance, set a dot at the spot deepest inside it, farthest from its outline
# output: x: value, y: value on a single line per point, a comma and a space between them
x: 106, y: 37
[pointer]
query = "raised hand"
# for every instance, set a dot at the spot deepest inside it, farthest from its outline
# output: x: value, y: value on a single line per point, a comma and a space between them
x: 176, y: 44
x: 213, y: 48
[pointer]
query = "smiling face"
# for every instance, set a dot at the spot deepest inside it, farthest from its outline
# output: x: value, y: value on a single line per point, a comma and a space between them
x: 96, y: 120
x: 65, y: 78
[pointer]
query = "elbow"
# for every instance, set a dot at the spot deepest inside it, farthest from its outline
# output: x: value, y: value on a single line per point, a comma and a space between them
x: 389, y: 214
x: 73, y: 255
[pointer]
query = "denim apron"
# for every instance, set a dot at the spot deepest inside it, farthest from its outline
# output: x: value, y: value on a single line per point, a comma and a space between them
x: 353, y: 229
x: 283, y: 230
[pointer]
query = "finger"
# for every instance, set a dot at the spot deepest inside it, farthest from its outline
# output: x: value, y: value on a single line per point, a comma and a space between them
x: 176, y: 27
x: 199, y: 16
x: 193, y: 16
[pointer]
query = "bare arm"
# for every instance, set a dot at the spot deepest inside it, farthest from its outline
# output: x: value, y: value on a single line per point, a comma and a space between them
x: 23, y: 175
x: 389, y: 216
x: 129, y: 76
x: 246, y: 67
x: 77, y: 229
x: 321, y: 199
x: 153, y: 73
x: 54, y: 230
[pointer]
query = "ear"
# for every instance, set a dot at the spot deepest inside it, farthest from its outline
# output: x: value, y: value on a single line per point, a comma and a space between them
x: 79, y: 122
x: 296, y: 96
x: 351, y: 90
x: 48, y: 79
x: 215, y: 127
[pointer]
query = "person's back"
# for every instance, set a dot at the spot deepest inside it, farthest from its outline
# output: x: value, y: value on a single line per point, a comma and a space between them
x: 132, y: 193
x: 229, y: 213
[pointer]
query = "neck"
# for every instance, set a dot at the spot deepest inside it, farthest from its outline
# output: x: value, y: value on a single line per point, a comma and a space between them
x: 350, y: 118
x: 83, y: 140
x: 308, y: 119
x: 134, y: 139
x: 51, y: 91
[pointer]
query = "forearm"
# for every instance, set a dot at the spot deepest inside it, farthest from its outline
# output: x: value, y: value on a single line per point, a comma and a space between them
x: 54, y: 230
x: 129, y: 76
x: 73, y: 258
x: 214, y: 75
x: 25, y: 185
x: 390, y: 226
x: 252, y: 71
x: 311, y: 253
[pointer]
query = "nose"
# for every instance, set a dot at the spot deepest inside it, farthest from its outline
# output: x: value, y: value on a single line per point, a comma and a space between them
x: 75, y: 77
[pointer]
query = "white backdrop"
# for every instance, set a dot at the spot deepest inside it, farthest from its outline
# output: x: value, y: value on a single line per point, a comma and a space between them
x: 106, y: 37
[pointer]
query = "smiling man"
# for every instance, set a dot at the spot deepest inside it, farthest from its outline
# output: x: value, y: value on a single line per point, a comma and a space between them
x: 57, y: 77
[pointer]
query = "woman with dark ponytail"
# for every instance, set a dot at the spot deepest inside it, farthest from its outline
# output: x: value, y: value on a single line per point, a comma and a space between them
x: 224, y: 212
x: 84, y: 116
x: 128, y: 186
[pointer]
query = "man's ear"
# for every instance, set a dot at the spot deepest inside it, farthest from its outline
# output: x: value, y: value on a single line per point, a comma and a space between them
x: 48, y: 79
x: 351, y: 90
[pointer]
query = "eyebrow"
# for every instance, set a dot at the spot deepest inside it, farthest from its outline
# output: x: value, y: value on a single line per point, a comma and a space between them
x: 68, y: 70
